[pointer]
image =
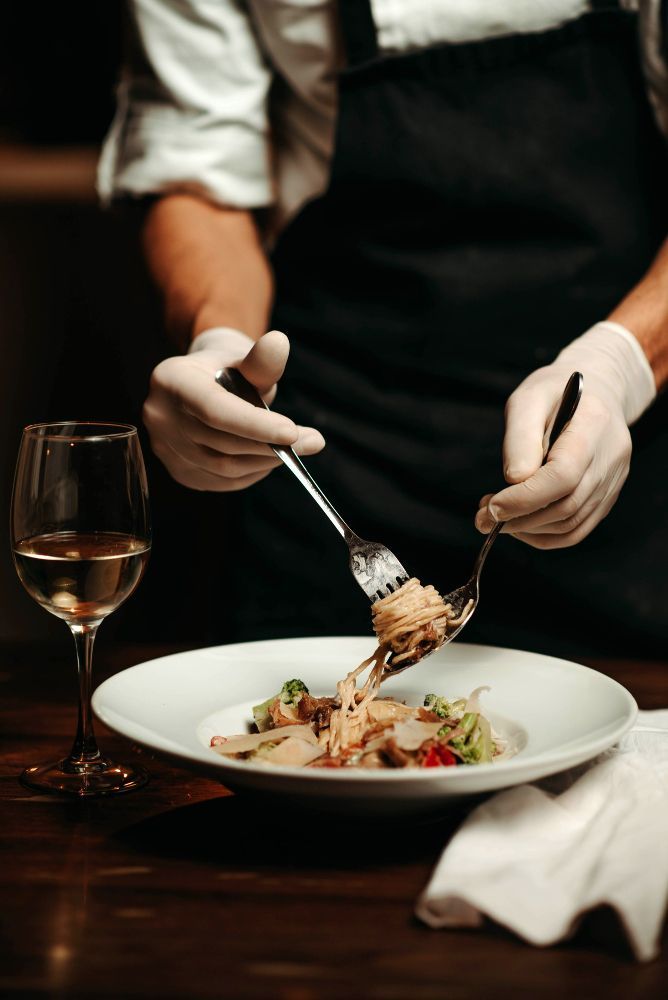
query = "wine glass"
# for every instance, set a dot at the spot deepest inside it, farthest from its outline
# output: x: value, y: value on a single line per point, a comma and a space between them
x: 81, y: 538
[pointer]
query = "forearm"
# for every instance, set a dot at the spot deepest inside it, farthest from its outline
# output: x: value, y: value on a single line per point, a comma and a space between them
x: 644, y: 312
x: 209, y: 265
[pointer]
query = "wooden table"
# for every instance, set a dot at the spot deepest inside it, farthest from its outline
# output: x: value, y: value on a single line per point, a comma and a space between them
x: 183, y: 890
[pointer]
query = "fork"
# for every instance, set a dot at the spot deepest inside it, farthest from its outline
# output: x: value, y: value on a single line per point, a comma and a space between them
x: 464, y: 600
x: 376, y: 569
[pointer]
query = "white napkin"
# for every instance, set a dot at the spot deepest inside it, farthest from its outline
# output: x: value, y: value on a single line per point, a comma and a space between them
x: 537, y: 857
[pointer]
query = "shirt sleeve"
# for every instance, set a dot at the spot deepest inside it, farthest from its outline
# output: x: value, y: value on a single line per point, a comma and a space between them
x: 192, y: 106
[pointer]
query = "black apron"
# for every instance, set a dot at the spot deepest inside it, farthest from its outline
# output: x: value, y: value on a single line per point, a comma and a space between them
x: 488, y: 202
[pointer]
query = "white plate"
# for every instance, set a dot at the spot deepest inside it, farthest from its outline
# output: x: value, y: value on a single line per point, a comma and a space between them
x: 554, y: 714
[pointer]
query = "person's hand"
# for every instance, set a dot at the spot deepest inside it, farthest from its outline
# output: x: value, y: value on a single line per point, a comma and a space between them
x: 557, y: 504
x: 208, y: 438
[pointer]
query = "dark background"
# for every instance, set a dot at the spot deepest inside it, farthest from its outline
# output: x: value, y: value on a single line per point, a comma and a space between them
x: 81, y: 330
x: 80, y: 324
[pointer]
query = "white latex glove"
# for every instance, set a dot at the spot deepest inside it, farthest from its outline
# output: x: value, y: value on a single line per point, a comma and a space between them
x: 557, y: 504
x: 208, y: 438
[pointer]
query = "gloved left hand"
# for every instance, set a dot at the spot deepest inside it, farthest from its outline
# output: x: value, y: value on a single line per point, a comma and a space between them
x: 557, y: 504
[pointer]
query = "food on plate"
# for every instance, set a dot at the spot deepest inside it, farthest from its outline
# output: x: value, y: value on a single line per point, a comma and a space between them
x: 414, y: 621
x: 358, y: 729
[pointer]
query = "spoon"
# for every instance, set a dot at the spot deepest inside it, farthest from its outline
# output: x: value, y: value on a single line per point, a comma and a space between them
x: 464, y: 600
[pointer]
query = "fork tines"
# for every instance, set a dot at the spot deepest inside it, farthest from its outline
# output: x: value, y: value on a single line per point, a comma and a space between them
x: 391, y: 586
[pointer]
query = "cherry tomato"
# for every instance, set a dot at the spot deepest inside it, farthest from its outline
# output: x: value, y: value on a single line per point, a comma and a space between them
x: 438, y: 756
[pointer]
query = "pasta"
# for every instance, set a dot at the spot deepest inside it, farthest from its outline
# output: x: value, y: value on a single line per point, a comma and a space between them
x: 350, y: 717
x: 413, y: 621
x: 356, y: 727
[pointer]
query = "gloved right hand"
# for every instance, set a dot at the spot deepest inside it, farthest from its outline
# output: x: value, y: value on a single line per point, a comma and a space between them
x: 208, y: 438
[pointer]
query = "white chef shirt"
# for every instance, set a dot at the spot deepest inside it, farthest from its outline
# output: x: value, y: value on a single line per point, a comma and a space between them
x: 236, y: 99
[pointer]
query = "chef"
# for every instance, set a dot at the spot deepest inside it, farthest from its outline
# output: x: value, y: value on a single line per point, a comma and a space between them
x: 447, y: 206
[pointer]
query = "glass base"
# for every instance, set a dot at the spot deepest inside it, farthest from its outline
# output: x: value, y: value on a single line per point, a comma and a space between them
x: 84, y: 780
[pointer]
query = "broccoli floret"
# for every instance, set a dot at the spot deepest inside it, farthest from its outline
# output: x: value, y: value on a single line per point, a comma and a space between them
x: 470, y: 752
x: 292, y: 692
x: 439, y: 706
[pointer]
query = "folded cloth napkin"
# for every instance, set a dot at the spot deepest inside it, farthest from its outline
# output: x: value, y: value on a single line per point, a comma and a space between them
x: 537, y: 857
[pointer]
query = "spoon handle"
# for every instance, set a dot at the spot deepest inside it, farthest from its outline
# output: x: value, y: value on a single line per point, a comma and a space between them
x: 567, y: 407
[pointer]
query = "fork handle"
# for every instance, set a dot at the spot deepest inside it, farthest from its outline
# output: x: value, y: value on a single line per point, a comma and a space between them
x: 290, y: 458
x: 232, y: 380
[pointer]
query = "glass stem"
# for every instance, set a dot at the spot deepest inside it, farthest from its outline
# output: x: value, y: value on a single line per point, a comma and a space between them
x: 84, y: 749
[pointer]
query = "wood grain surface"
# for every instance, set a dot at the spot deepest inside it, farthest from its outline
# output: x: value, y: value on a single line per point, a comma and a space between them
x: 184, y: 890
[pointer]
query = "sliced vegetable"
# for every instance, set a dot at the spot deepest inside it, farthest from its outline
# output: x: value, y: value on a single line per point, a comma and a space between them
x: 411, y: 733
x: 473, y: 700
x: 468, y: 722
x: 261, y: 714
x: 484, y: 741
x: 242, y: 744
x: 291, y: 752
x: 283, y: 715
x: 382, y: 710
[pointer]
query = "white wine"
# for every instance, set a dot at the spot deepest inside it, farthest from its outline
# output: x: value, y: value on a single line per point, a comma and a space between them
x: 81, y: 576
